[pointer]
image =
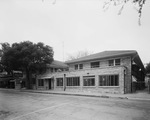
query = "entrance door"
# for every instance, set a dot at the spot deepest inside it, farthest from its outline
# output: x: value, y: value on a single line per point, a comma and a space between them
x: 50, y: 81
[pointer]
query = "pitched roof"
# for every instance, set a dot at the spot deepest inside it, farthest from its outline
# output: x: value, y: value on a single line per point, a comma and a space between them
x: 104, y: 54
x: 58, y: 64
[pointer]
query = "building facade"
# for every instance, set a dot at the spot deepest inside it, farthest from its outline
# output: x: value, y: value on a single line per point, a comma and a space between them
x: 104, y: 72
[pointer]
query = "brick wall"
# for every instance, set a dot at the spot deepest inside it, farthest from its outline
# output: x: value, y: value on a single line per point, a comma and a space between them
x: 104, y: 69
x: 128, y: 77
x: 95, y: 72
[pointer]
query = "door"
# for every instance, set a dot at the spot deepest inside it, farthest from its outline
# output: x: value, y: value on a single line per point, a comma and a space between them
x: 50, y: 81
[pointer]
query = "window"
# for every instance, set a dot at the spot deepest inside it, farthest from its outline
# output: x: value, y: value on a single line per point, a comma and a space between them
x: 73, y: 81
x: 59, y: 81
x: 41, y: 82
x: 111, y: 62
x: 76, y: 67
x: 109, y: 80
x: 80, y: 66
x: 114, y: 62
x: 89, y: 81
x: 95, y: 64
x: 117, y: 61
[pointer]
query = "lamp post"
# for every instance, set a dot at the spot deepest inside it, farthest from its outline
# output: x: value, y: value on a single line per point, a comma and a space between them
x: 64, y: 82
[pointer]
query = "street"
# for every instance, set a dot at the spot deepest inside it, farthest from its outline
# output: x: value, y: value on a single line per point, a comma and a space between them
x: 34, y: 106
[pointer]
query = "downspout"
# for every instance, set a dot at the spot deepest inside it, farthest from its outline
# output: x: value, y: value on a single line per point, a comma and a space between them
x: 125, y: 70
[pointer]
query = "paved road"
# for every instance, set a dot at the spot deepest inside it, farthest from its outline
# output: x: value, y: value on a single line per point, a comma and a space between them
x: 34, y: 106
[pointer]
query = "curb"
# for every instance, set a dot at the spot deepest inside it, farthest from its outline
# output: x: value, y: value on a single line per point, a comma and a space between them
x: 85, y: 95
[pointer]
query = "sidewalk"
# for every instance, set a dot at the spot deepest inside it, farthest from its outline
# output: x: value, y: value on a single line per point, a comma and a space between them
x: 139, y: 95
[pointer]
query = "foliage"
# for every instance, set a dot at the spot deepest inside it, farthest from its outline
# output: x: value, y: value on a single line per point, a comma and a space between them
x: 79, y: 54
x: 147, y: 68
x: 4, y: 48
x: 26, y: 56
x: 139, y: 4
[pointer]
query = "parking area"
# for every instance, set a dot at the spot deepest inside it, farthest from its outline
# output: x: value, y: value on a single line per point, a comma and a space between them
x: 35, y: 106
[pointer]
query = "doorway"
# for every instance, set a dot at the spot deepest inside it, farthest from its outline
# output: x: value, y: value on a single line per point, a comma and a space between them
x: 50, y: 83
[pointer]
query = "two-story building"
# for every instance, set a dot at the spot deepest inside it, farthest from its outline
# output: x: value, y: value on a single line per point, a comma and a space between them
x: 104, y: 72
x: 46, y: 81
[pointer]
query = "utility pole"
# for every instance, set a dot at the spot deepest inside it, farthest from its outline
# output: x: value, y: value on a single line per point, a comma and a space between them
x: 64, y: 82
x: 63, y: 50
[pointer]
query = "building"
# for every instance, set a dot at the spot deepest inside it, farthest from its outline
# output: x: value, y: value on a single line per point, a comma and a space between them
x: 46, y: 80
x: 104, y: 72
x: 10, y: 80
x: 147, y: 79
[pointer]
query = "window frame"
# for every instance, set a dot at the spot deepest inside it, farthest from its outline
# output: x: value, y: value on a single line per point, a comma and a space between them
x: 114, y: 62
x: 76, y: 66
x: 87, y: 81
x: 110, y: 80
x: 80, y: 66
x: 95, y: 66
x: 73, y: 81
x: 110, y: 62
x: 117, y: 62
x: 59, y: 82
x: 41, y: 82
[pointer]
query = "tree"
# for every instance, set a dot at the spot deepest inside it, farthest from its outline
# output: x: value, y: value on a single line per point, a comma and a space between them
x: 4, y: 47
x: 139, y: 4
x: 147, y: 68
x: 79, y: 54
x: 28, y: 57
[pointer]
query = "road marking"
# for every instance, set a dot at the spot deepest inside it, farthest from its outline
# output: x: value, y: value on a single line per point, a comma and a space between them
x: 39, y: 110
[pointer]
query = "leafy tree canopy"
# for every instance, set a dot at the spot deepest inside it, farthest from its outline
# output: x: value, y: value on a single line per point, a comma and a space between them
x: 26, y: 56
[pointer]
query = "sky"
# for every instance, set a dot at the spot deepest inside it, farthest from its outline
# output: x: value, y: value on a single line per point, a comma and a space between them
x: 70, y: 26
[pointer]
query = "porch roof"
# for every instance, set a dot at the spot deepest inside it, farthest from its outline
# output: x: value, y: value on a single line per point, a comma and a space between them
x: 46, y: 76
x: 58, y: 64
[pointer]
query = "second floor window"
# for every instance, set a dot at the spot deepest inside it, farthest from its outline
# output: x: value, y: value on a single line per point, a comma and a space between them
x: 111, y: 62
x: 95, y: 64
x: 114, y: 62
x: 117, y: 61
x: 78, y: 66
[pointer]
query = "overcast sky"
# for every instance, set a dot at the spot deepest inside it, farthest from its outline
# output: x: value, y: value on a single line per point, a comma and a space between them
x: 75, y: 25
